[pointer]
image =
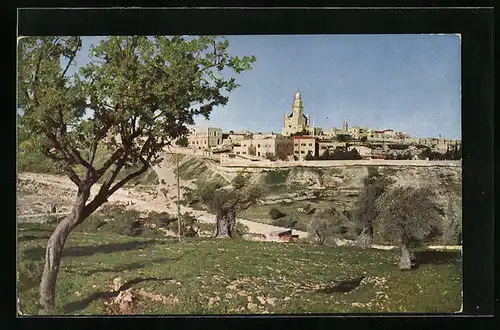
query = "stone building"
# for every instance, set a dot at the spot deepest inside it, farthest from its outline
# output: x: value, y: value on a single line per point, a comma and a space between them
x: 330, y: 145
x: 269, y: 146
x: 363, y: 151
x: 296, y: 121
x: 304, y: 144
x: 204, y: 137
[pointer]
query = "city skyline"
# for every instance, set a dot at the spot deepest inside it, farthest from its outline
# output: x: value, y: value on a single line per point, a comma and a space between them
x: 408, y: 83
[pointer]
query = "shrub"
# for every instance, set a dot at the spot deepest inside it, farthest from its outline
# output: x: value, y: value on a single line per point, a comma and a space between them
x: 286, y: 222
x: 92, y: 223
x: 158, y: 220
x: 30, y: 273
x: 326, y: 225
x: 121, y: 221
x: 241, y: 229
x: 274, y: 213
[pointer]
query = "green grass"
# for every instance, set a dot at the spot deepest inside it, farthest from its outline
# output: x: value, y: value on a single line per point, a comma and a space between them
x: 195, y: 168
x: 229, y: 272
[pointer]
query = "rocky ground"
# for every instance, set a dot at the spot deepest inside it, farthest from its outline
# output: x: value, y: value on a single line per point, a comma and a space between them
x: 38, y: 193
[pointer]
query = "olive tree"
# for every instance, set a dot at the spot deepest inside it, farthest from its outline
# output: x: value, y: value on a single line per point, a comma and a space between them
x: 227, y: 201
x: 365, y: 212
x: 326, y: 224
x: 135, y: 96
x: 407, y: 215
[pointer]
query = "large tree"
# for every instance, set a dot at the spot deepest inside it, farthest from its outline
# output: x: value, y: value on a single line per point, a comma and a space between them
x: 365, y: 212
x: 407, y: 215
x: 226, y: 202
x: 327, y: 224
x: 135, y: 96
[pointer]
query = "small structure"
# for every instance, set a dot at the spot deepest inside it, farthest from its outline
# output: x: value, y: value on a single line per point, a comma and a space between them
x: 283, y: 236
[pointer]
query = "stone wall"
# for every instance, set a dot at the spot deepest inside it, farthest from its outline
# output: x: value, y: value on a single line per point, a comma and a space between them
x: 328, y: 163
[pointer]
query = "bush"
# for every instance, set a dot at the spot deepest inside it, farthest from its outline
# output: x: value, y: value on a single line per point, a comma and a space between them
x: 286, y: 222
x: 126, y: 224
x: 92, y: 224
x: 326, y: 225
x: 240, y: 230
x: 158, y: 220
x: 30, y: 273
x: 114, y: 218
x: 274, y: 213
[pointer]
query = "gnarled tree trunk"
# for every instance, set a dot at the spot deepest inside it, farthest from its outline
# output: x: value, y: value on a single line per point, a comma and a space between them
x: 225, y: 225
x: 405, y: 261
x: 54, y: 250
x: 364, y: 240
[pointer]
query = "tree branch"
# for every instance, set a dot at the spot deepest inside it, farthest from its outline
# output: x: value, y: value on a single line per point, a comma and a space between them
x: 143, y: 169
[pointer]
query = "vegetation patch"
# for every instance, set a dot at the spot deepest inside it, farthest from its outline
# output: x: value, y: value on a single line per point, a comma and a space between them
x: 211, y: 276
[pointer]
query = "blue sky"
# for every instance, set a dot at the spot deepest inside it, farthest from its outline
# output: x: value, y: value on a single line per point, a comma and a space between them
x: 409, y: 83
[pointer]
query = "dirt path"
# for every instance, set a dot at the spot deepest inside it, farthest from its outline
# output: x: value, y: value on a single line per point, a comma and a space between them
x: 60, y: 186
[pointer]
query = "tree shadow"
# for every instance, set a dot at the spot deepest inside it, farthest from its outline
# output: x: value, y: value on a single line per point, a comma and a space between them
x: 342, y: 286
x: 437, y: 257
x: 24, y: 230
x: 121, y: 268
x: 84, y: 303
x: 24, y: 238
x: 38, y: 252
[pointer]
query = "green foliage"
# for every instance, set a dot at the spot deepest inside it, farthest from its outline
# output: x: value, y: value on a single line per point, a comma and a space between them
x: 125, y: 223
x: 113, y: 218
x: 182, y: 142
x: 29, y: 273
x: 159, y: 219
x: 287, y: 222
x: 274, y: 213
x: 340, y: 154
x: 309, y: 156
x: 92, y: 224
x: 276, y: 177
x: 135, y: 96
x: 327, y: 224
x: 408, y: 215
x: 240, y: 230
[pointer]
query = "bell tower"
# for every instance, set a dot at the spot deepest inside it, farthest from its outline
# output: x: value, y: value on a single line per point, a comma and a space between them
x: 297, y: 107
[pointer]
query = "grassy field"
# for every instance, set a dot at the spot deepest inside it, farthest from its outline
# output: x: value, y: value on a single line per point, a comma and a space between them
x: 209, y: 276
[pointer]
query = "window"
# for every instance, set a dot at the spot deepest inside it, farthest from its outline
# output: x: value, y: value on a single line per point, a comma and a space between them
x: 302, y: 151
x: 310, y: 144
x: 237, y: 152
x: 258, y: 145
x: 323, y: 147
x: 296, y: 144
x: 303, y: 144
x: 244, y: 152
x: 296, y: 152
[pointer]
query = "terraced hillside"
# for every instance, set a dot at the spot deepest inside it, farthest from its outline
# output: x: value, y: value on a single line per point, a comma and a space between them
x: 298, y: 191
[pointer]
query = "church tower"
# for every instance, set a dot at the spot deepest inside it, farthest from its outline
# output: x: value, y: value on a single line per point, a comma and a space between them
x: 297, y: 108
x: 345, y: 126
x: 296, y: 121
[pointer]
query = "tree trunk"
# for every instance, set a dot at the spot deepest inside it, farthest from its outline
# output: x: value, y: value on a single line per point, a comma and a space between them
x: 54, y: 251
x: 405, y: 261
x: 364, y: 240
x: 225, y: 225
